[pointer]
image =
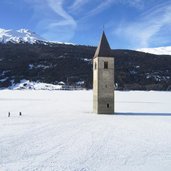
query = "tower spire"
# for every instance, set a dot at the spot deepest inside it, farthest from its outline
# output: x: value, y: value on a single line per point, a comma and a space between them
x: 103, y: 49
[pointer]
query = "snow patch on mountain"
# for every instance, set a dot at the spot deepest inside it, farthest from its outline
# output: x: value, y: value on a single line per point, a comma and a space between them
x: 158, y: 51
x: 17, y: 36
x: 32, y: 66
x: 66, y: 43
x: 31, y: 85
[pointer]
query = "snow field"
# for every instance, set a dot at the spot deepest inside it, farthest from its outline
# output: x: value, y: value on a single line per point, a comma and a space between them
x: 59, y: 132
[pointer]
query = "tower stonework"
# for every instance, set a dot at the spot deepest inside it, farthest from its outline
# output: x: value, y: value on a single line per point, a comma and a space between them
x: 103, y: 78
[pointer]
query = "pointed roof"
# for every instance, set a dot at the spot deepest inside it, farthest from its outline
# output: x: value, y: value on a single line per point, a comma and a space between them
x: 103, y: 49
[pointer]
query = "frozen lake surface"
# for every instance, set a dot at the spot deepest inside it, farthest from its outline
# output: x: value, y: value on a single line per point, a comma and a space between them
x: 58, y: 132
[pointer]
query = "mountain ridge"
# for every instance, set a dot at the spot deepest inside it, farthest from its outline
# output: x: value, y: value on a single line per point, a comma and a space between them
x: 24, y: 36
x: 27, y: 36
x: 18, y: 36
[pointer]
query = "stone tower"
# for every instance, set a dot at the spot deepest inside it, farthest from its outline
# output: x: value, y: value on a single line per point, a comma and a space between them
x: 103, y: 78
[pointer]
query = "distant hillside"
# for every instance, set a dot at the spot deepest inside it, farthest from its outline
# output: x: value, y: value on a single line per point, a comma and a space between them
x: 52, y: 62
x: 158, y: 51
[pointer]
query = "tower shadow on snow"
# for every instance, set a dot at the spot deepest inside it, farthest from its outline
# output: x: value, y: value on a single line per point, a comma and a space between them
x: 141, y: 114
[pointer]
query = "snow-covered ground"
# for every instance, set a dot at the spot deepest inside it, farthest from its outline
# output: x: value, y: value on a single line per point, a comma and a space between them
x: 59, y: 132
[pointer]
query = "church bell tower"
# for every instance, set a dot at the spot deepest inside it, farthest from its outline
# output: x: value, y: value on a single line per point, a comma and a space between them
x: 103, y: 78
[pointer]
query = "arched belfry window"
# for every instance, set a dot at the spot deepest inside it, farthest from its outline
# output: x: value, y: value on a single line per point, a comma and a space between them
x: 105, y: 64
x: 95, y: 65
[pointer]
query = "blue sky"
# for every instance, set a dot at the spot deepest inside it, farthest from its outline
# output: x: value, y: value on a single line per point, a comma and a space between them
x: 128, y: 24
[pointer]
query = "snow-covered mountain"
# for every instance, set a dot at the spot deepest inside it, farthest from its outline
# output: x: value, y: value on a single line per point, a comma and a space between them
x: 158, y: 51
x: 22, y: 35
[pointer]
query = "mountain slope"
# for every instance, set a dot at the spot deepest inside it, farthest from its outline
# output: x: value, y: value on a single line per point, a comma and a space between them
x: 17, y: 36
x: 52, y: 63
x: 158, y: 51
x: 23, y: 56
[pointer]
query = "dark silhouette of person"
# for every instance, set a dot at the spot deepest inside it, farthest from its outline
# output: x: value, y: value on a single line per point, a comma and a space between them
x: 20, y: 114
x: 9, y: 114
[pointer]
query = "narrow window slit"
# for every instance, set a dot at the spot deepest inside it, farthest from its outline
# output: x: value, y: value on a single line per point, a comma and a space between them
x: 105, y: 65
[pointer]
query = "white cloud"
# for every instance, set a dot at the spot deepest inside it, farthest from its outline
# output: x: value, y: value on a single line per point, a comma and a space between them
x: 144, y: 31
x: 105, y: 4
x: 102, y: 6
x: 136, y: 3
x: 65, y: 27
x: 57, y: 7
x: 54, y: 21
x: 78, y: 4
